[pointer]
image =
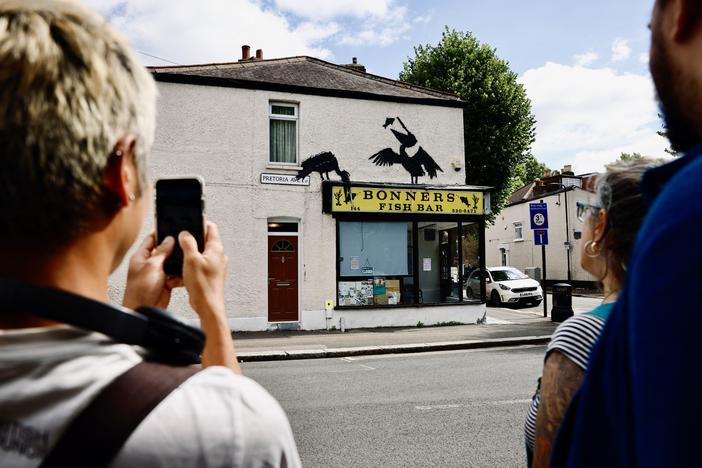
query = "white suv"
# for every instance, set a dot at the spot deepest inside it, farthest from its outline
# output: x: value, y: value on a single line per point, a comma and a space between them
x: 505, y: 285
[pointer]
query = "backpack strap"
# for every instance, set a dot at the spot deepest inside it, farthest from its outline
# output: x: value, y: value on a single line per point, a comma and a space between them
x: 98, y: 432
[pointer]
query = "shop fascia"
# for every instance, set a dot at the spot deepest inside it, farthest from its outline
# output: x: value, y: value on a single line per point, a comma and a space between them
x: 406, y: 245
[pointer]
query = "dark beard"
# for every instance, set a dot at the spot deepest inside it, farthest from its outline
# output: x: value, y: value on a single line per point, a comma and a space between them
x: 674, y: 94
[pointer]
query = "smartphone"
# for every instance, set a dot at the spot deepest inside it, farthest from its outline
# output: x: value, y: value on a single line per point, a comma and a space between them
x: 180, y: 206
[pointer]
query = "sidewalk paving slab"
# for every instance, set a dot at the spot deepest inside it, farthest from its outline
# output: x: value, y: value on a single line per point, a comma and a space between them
x: 287, y: 345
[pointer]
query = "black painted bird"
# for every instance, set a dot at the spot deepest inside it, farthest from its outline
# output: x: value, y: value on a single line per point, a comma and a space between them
x: 465, y: 201
x: 416, y: 165
x: 323, y: 163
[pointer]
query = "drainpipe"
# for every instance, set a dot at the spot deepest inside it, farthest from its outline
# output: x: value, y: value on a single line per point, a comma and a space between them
x: 565, y: 194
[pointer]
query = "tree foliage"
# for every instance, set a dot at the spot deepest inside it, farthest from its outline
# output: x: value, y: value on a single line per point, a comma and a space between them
x: 497, y: 120
x: 625, y: 157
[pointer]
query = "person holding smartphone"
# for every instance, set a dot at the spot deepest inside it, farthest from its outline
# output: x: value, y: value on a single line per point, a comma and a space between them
x: 77, y: 118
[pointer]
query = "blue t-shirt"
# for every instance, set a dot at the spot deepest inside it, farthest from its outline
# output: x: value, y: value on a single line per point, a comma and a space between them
x: 641, y: 400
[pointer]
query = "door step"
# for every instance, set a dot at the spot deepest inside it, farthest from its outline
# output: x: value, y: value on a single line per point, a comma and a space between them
x: 284, y: 326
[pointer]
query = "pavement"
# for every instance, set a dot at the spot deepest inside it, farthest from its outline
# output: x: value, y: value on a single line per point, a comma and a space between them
x: 504, y: 327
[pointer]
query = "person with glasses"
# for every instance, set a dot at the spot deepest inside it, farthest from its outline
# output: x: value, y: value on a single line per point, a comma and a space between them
x: 609, y: 229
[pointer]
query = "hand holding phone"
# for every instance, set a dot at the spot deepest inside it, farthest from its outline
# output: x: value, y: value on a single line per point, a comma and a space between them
x: 179, y: 207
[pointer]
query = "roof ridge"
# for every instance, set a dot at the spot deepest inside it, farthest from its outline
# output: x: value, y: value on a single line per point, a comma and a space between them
x: 299, y: 58
x: 390, y: 81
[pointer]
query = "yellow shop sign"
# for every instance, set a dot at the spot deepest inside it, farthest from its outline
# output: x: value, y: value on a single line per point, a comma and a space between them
x: 400, y: 200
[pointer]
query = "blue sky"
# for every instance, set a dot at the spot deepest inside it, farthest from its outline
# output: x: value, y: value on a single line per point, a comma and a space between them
x: 584, y: 64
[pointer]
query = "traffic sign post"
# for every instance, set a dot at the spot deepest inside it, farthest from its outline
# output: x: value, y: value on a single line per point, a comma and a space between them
x: 541, y: 237
x: 538, y: 214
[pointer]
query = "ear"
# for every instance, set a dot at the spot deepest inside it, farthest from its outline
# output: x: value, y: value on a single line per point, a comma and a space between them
x: 120, y: 173
x: 600, y: 228
x: 687, y: 19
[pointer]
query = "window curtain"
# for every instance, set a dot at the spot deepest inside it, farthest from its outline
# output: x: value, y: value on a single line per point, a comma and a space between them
x: 283, y: 144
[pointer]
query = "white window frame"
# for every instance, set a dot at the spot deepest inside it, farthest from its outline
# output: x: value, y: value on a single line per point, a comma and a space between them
x: 296, y: 119
x: 520, y: 225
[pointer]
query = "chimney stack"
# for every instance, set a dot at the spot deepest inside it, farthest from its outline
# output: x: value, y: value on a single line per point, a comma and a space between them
x: 245, y: 52
x: 354, y: 65
x: 259, y: 54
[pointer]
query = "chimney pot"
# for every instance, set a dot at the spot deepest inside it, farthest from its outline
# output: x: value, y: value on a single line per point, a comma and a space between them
x: 354, y: 61
x: 245, y: 52
x: 259, y: 54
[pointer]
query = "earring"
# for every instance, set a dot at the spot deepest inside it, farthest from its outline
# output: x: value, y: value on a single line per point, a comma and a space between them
x: 132, y: 197
x: 592, y: 249
x: 118, y: 153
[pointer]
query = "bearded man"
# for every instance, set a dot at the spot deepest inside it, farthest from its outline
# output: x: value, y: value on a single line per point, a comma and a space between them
x: 640, y: 402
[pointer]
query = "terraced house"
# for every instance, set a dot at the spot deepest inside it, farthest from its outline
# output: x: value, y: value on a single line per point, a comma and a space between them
x: 341, y: 195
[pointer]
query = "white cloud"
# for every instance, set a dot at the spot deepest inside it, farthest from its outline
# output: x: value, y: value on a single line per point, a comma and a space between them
x: 587, y: 117
x: 377, y: 31
x: 643, y: 57
x: 320, y: 10
x: 213, y: 31
x: 425, y: 18
x: 585, y: 59
x: 366, y: 22
x: 620, y: 50
x: 315, y: 32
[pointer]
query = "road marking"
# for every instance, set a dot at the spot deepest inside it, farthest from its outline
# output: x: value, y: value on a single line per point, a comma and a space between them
x: 347, y: 359
x: 470, y: 405
x: 434, y: 407
x: 496, y: 321
x: 367, y: 367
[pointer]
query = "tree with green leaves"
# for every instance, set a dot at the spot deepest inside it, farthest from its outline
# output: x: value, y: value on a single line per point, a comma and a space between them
x: 498, y: 124
x: 626, y: 157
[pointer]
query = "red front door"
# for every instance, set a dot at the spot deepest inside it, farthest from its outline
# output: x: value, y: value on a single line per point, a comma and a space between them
x: 282, y: 279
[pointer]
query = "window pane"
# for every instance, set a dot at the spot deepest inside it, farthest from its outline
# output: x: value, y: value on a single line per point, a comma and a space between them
x: 373, y: 249
x: 283, y: 141
x: 282, y: 110
x: 282, y: 227
x: 438, y: 262
x: 470, y: 239
x: 375, y: 263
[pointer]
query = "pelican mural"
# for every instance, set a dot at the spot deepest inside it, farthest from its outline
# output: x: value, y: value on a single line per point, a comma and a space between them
x: 418, y: 165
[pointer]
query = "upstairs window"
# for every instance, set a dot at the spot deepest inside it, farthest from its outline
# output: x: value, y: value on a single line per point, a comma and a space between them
x: 518, y: 232
x: 283, y: 133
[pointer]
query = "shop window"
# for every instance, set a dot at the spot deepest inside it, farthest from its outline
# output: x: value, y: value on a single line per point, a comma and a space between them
x: 375, y: 263
x: 283, y: 119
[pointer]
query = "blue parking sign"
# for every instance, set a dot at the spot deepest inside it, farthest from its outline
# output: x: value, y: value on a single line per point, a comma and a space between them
x: 540, y: 236
x: 538, y: 213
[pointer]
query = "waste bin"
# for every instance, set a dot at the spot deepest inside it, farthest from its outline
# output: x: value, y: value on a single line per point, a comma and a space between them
x: 562, y: 302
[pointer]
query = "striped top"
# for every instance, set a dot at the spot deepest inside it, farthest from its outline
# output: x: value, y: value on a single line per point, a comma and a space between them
x: 574, y: 338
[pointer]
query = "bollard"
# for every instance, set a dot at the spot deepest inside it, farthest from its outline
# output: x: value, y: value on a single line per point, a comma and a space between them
x: 562, y: 302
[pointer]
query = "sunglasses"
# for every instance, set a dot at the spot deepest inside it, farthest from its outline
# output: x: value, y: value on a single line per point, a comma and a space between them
x: 583, y: 208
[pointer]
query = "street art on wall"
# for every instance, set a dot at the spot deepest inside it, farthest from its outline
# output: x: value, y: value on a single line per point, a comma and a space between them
x: 418, y: 165
x: 323, y: 163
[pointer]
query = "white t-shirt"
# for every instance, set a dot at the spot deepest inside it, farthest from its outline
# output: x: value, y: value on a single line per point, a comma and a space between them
x: 215, y: 418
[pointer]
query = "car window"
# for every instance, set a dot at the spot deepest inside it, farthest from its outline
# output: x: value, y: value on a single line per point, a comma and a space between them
x: 507, y: 275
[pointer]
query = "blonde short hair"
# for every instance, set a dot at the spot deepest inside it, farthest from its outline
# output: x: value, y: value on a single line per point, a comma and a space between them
x: 70, y: 88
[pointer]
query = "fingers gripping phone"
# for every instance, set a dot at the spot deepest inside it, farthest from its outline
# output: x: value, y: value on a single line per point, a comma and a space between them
x: 180, y: 206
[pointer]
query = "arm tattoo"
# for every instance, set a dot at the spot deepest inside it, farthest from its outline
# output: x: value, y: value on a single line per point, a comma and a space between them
x: 561, y: 378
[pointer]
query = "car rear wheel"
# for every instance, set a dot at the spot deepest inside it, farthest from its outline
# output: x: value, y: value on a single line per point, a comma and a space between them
x: 495, y: 298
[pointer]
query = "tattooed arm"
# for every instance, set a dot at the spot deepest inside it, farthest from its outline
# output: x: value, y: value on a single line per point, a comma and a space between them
x: 561, y: 378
